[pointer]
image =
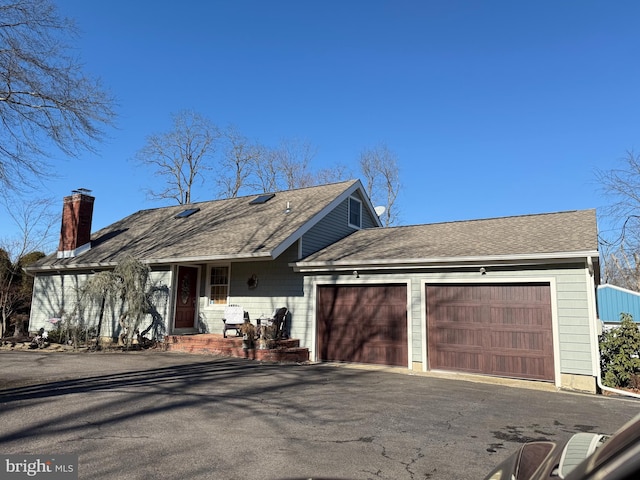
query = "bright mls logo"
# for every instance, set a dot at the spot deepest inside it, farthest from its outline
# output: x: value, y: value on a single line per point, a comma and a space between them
x: 54, y: 467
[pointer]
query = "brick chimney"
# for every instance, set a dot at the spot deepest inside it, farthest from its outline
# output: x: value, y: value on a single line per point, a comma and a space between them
x: 75, y: 232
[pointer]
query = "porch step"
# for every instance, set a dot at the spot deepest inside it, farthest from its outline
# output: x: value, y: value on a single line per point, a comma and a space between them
x: 281, y: 350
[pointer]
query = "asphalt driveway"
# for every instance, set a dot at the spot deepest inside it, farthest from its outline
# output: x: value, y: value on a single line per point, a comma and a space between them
x: 178, y: 416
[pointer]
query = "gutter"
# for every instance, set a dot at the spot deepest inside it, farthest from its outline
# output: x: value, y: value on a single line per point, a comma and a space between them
x: 31, y: 270
x: 440, y: 262
x: 210, y: 258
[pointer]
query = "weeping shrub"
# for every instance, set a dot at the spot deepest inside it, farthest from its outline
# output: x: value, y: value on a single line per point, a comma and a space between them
x: 128, y: 283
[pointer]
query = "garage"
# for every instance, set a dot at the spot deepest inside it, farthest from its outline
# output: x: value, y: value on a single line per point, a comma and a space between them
x: 492, y: 329
x: 362, y: 324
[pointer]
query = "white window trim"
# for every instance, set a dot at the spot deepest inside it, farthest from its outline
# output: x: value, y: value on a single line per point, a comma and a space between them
x: 208, y: 291
x: 349, y: 212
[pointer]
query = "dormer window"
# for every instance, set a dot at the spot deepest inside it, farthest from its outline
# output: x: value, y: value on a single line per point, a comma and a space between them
x: 355, y: 213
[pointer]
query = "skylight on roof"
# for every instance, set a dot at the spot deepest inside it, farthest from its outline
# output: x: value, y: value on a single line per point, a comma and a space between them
x: 262, y: 198
x: 187, y: 213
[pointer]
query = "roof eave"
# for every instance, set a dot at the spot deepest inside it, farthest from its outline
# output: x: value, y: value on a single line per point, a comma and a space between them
x: 444, y: 262
x: 153, y: 261
x: 212, y: 258
x: 78, y: 266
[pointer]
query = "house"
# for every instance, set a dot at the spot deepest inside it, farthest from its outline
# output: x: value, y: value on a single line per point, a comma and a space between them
x: 202, y: 256
x: 613, y: 301
x: 510, y: 297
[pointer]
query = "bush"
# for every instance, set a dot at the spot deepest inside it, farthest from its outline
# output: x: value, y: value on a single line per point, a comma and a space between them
x: 620, y: 353
x: 71, y: 335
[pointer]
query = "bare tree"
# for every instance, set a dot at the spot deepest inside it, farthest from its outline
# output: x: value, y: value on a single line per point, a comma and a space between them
x: 266, y: 171
x: 239, y: 158
x: 34, y: 221
x: 621, y: 239
x: 622, y: 186
x: 294, y: 161
x: 336, y: 173
x: 286, y: 166
x: 184, y: 155
x: 180, y: 156
x: 622, y: 269
x: 44, y: 95
x: 10, y: 297
x: 379, y: 167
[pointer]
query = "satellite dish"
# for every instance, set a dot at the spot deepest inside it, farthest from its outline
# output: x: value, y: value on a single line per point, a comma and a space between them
x: 380, y: 210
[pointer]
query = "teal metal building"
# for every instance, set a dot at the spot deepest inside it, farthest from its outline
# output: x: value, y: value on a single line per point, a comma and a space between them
x: 612, y: 301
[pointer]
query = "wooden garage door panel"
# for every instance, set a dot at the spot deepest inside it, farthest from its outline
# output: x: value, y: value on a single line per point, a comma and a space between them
x: 517, y: 365
x: 460, y: 359
x: 501, y: 330
x: 455, y: 335
x: 363, y: 324
x: 520, y: 341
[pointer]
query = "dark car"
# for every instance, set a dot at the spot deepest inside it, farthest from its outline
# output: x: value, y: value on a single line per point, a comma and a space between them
x: 585, y: 456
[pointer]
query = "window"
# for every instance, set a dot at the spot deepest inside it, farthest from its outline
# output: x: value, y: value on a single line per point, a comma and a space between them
x: 262, y: 199
x: 355, y: 212
x: 219, y: 281
x: 187, y: 213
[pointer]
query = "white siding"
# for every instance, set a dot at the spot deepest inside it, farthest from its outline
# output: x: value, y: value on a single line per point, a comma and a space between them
x: 278, y: 286
x: 57, y: 296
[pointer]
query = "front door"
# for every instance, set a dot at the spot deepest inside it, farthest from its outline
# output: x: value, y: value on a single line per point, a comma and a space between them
x: 186, y: 297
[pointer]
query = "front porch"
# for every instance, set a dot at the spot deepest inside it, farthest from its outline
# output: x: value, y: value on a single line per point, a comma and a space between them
x: 214, y: 343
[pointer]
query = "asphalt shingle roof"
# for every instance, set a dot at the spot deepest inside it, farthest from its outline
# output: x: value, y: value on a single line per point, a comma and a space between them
x: 234, y: 228
x: 563, y: 232
x: 231, y: 228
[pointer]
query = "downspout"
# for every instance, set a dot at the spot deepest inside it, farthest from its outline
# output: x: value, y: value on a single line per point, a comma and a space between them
x: 597, y: 346
x: 609, y: 389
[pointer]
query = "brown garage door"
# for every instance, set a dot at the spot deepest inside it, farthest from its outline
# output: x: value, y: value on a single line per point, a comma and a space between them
x: 363, y: 324
x: 503, y: 330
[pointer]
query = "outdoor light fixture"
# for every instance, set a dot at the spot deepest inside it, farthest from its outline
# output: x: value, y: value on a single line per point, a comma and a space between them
x: 483, y: 271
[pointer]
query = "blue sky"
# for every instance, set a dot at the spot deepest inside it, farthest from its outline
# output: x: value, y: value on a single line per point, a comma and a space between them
x: 494, y: 108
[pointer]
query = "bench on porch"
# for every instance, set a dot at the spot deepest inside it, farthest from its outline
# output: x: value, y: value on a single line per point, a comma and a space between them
x: 234, y: 316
